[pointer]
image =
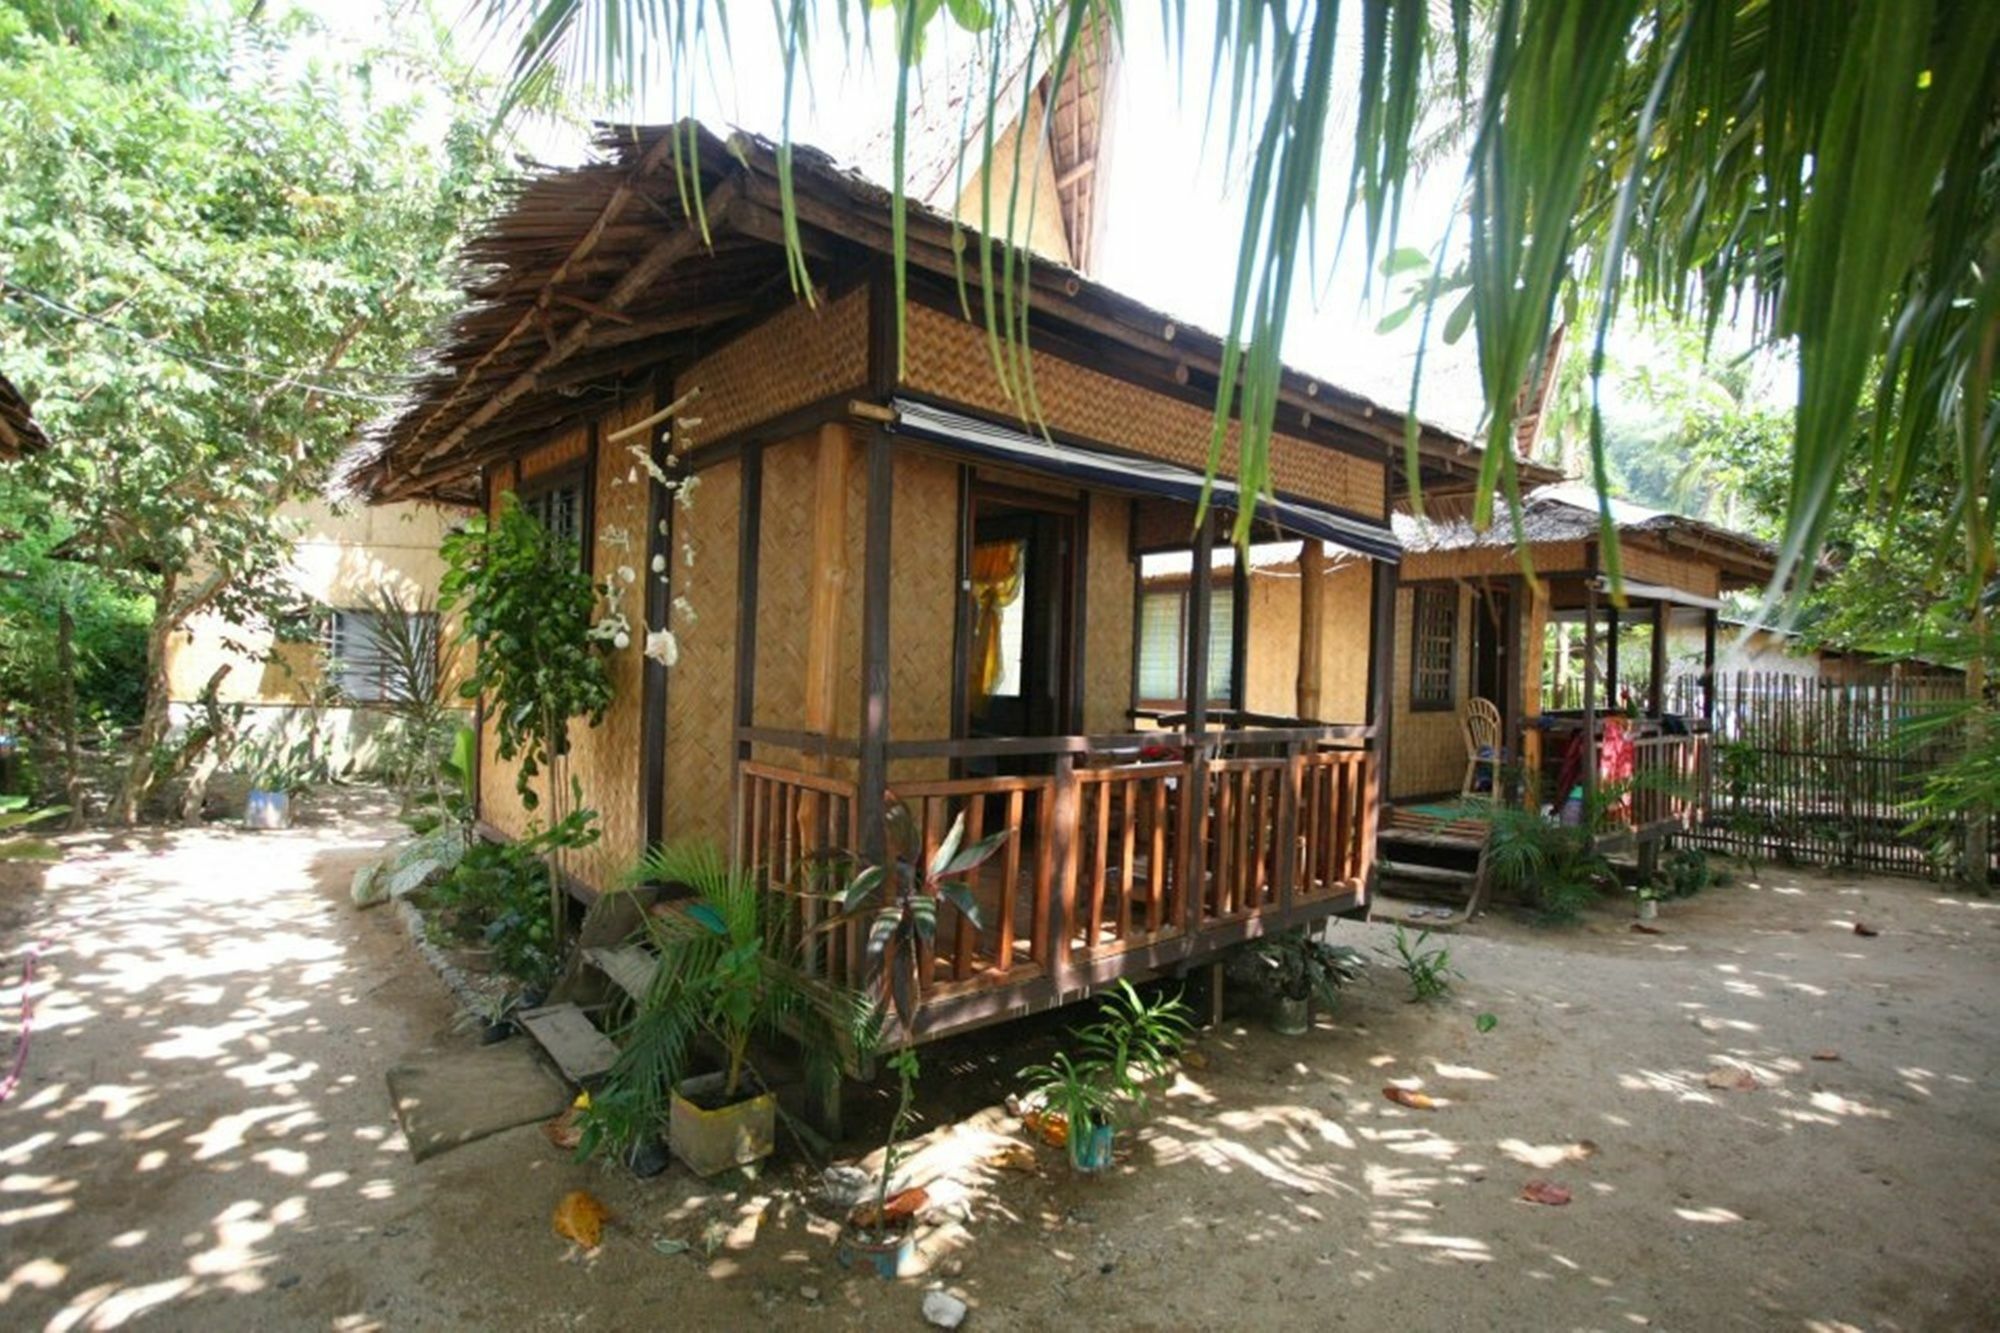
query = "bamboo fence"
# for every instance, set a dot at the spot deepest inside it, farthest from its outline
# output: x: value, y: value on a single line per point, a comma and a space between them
x: 1826, y: 772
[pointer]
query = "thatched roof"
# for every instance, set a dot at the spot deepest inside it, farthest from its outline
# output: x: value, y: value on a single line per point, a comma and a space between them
x: 18, y: 432
x: 1567, y: 512
x: 593, y: 274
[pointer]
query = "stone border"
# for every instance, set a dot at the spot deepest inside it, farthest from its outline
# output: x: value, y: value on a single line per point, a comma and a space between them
x: 475, y: 995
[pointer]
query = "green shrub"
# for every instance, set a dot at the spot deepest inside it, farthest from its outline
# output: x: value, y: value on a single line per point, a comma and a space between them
x: 496, y: 896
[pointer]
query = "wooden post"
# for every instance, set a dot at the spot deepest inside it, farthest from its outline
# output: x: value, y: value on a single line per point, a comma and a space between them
x: 1589, y: 698
x: 1611, y: 656
x: 1194, y: 820
x: 1708, y: 680
x: 1381, y: 707
x: 1312, y: 626
x: 874, y: 769
x: 653, y: 683
x: 1657, y: 701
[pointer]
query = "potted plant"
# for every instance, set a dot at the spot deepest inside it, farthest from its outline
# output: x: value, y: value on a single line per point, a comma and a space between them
x: 1294, y: 969
x: 1133, y: 1042
x: 881, y: 1236
x: 278, y: 773
x: 1649, y: 901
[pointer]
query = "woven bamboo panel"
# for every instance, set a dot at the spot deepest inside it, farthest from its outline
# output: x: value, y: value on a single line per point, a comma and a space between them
x: 1426, y: 749
x: 950, y: 357
x: 1158, y: 524
x: 798, y: 356
x: 784, y: 593
x: 1687, y: 573
x: 1271, y: 664
x: 1107, y: 634
x: 922, y: 602
x: 567, y: 448
x: 1343, y: 672
x: 701, y: 687
x: 606, y: 759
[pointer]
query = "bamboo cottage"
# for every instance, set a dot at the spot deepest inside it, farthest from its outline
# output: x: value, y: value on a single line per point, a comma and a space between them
x: 884, y: 587
x: 1556, y: 656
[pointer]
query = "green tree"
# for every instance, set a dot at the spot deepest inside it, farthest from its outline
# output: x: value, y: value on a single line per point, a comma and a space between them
x: 218, y: 252
x: 1828, y: 169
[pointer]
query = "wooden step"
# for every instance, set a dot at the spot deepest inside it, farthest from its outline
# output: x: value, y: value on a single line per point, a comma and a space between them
x: 584, y: 1054
x: 1425, y: 874
x: 630, y: 966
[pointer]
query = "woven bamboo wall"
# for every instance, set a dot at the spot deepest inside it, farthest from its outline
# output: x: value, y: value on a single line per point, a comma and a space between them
x: 949, y: 357
x: 1271, y: 680
x: 923, y: 570
x: 1107, y: 631
x: 1688, y: 573
x: 784, y: 593
x: 798, y: 356
x: 701, y: 687
x: 604, y: 759
x: 1427, y: 752
x: 1343, y: 672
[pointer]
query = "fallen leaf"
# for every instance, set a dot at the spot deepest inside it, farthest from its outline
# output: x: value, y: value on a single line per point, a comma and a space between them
x: 581, y: 1218
x: 898, y: 1207
x: 1828, y: 1054
x: 1866, y: 932
x: 665, y: 1245
x: 1194, y: 1059
x: 1486, y: 1022
x: 1737, y: 1080
x: 1642, y: 928
x: 563, y: 1131
x: 1418, y: 1101
x: 1544, y: 1191
x: 1014, y: 1157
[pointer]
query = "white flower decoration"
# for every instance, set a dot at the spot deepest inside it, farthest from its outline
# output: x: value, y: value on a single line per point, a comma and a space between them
x: 661, y: 647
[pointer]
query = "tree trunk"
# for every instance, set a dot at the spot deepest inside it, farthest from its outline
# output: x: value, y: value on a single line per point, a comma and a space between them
x: 66, y: 666
x: 154, y: 719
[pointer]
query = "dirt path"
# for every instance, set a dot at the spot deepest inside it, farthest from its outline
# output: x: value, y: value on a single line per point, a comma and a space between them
x: 202, y: 1140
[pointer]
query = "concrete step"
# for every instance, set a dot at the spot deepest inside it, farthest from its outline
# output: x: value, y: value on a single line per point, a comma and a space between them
x: 584, y: 1054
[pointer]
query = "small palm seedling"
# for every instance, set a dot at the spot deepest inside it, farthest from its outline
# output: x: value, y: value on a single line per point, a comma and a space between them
x: 1429, y: 969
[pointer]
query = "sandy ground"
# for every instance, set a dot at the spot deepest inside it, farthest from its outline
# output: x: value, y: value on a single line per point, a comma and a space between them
x: 202, y: 1139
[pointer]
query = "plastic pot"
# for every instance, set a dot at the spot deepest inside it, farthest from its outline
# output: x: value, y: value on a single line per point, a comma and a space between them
x: 267, y: 809
x: 1649, y: 909
x: 1090, y: 1148
x: 1290, y: 1017
x: 710, y: 1142
x: 886, y: 1255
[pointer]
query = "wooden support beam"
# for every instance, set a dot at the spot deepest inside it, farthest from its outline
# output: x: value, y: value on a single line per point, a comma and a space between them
x: 1657, y: 700
x: 665, y: 253
x: 749, y: 538
x: 874, y: 767
x: 1382, y: 670
x: 1312, y: 626
x: 1589, y: 698
x: 653, y: 682
x: 1194, y: 695
x: 1708, y: 681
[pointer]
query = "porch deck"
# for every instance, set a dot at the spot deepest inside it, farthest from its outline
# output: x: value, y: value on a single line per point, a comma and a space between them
x: 1124, y: 863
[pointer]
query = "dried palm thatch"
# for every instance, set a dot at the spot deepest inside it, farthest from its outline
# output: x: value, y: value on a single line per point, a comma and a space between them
x: 630, y: 266
x: 18, y: 432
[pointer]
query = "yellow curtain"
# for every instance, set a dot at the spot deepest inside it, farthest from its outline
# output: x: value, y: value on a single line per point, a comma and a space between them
x: 996, y: 582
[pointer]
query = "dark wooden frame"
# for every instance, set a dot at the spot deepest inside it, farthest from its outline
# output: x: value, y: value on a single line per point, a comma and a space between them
x: 1453, y: 685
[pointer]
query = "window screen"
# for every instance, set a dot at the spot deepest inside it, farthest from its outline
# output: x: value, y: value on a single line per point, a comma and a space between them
x: 1162, y: 646
x: 559, y: 509
x: 371, y: 660
x: 1433, y: 630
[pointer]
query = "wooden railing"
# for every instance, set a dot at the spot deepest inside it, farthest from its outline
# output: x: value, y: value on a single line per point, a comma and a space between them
x: 1116, y: 851
x: 1667, y: 780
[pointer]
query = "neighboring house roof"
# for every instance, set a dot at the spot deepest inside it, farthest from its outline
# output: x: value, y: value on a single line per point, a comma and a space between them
x: 944, y: 132
x: 553, y: 277
x: 1567, y: 512
x: 19, y: 433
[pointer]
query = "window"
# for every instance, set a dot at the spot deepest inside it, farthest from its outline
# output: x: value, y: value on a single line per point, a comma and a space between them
x: 372, y: 659
x: 1433, y: 647
x: 1163, y: 646
x: 558, y: 506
